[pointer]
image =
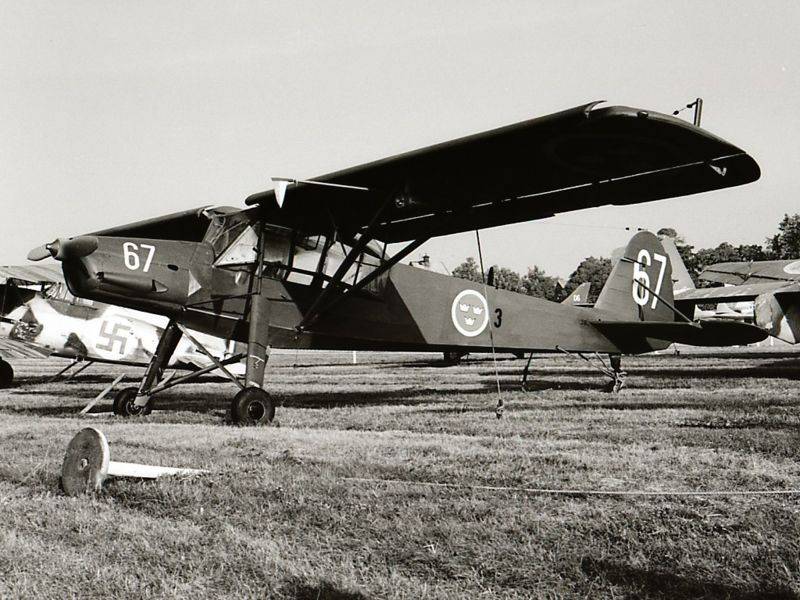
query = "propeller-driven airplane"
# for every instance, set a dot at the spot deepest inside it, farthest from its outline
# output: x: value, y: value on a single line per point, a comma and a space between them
x: 772, y: 286
x: 307, y: 266
x: 39, y: 317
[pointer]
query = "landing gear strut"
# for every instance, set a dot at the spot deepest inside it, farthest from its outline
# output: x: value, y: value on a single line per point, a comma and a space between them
x: 252, y: 405
x: 617, y: 374
x: 6, y: 374
x: 138, y: 401
x: 613, y: 370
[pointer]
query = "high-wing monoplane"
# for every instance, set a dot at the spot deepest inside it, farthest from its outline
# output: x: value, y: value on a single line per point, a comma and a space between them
x: 40, y: 318
x: 307, y: 264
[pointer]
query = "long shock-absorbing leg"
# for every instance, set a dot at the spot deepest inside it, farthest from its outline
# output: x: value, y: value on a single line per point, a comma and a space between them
x: 619, y: 375
x: 526, y: 371
x: 135, y: 401
x: 252, y: 405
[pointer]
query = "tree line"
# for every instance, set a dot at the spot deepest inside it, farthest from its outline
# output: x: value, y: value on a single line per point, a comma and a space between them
x: 785, y: 244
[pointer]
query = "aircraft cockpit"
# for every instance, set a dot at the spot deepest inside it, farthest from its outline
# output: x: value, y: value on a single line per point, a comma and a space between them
x: 290, y: 255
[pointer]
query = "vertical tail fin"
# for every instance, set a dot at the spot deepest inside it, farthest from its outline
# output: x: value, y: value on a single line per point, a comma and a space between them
x: 580, y: 295
x: 640, y: 285
x: 681, y: 279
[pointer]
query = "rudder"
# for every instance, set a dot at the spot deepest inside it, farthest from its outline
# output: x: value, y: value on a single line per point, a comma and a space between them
x: 640, y: 283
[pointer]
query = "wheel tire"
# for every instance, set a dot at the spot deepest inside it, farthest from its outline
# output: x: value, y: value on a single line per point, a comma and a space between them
x: 124, y: 404
x: 252, y: 406
x: 6, y: 374
x: 453, y: 357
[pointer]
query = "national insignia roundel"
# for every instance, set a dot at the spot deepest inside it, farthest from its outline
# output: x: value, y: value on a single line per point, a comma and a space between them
x: 792, y: 268
x: 470, y: 313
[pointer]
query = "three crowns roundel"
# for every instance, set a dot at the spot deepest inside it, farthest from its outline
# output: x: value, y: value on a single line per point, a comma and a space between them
x: 470, y: 313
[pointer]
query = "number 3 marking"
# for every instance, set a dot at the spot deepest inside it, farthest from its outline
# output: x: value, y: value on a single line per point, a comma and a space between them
x: 499, y: 313
x: 131, y: 257
x: 641, y: 280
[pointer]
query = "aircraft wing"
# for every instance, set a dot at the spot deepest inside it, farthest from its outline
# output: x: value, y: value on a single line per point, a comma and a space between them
x: 737, y: 293
x: 11, y: 349
x: 752, y: 272
x: 578, y: 158
x: 32, y: 274
x: 709, y: 332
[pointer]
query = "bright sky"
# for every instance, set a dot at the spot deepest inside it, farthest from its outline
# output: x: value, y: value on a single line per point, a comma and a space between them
x: 120, y: 111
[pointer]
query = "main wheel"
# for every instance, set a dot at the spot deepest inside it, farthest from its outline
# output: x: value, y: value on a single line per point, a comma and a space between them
x: 252, y: 406
x: 6, y: 374
x: 125, y: 404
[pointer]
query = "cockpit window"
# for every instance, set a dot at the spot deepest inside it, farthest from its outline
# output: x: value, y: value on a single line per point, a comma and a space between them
x: 225, y: 229
x: 290, y: 255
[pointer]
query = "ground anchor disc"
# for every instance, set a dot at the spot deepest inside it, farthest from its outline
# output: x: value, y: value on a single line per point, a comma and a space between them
x: 86, y: 462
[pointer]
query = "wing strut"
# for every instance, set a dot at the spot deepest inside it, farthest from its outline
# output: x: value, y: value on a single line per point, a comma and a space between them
x: 318, y: 309
x: 364, y: 238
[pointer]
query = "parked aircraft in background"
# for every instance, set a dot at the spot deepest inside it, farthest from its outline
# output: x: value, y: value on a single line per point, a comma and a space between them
x: 306, y: 266
x: 771, y: 288
x: 40, y: 317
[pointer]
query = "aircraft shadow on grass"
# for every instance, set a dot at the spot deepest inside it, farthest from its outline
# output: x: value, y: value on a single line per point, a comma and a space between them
x: 324, y: 590
x: 669, y: 585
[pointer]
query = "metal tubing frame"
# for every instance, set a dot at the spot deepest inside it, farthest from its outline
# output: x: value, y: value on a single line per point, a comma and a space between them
x: 383, y: 268
x: 173, y: 381
x: 314, y: 311
x: 82, y: 368
x: 218, y: 365
x: 55, y: 377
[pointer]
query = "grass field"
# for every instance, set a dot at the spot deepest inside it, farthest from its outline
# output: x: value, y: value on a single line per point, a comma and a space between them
x: 285, y: 512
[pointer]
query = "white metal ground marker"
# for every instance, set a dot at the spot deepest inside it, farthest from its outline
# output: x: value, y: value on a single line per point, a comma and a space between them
x: 88, y: 463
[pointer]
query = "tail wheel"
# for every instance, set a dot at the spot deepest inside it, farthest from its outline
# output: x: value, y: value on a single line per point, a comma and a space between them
x: 252, y: 406
x: 6, y: 374
x: 125, y: 404
x: 454, y: 357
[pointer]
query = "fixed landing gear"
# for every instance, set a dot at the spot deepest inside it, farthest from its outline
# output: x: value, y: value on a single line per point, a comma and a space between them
x: 613, y: 370
x: 616, y: 373
x: 132, y: 401
x: 125, y: 404
x: 6, y: 374
x: 453, y: 358
x: 252, y: 406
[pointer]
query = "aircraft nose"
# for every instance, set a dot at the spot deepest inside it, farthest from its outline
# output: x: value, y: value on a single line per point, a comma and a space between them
x: 60, y: 249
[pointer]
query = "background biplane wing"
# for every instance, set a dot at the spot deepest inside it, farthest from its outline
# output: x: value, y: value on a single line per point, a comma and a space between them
x: 31, y: 274
x: 735, y: 293
x: 578, y: 158
x: 737, y: 273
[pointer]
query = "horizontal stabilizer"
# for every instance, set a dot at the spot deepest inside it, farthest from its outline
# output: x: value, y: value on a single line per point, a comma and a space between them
x: 711, y: 332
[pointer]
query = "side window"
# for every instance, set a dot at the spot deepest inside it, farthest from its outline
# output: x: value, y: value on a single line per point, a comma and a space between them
x: 241, y: 251
x: 305, y: 259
